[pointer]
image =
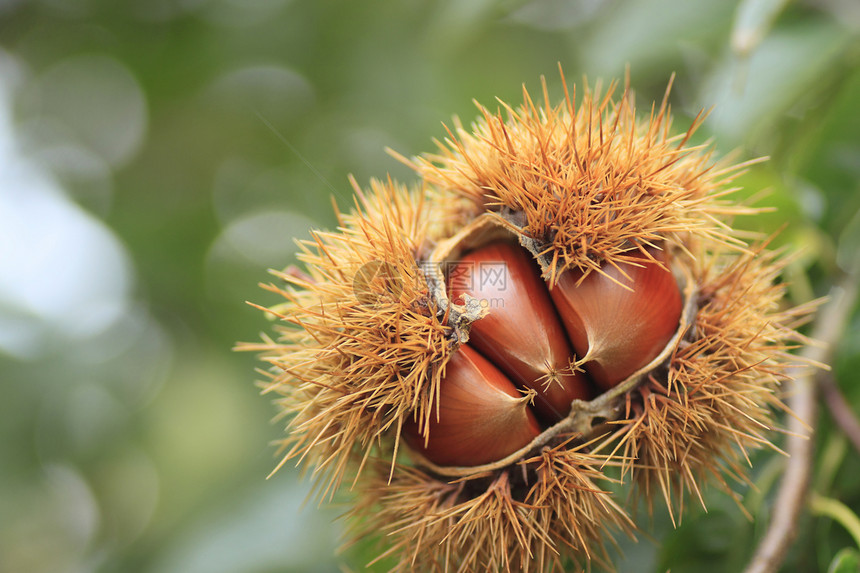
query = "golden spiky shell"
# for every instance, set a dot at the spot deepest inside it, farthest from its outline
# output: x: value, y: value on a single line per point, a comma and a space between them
x: 349, y: 367
x: 587, y: 183
x: 495, y: 522
x: 580, y: 187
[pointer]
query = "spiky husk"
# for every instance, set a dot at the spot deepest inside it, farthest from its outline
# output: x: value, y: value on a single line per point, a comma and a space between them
x: 548, y: 513
x: 360, y: 343
x: 585, y: 185
x: 587, y: 182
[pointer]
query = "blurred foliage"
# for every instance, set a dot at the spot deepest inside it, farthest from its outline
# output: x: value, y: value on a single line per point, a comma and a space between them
x: 157, y: 156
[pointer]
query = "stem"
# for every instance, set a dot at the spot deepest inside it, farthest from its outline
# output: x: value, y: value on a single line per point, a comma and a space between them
x: 793, y: 490
x: 840, y: 410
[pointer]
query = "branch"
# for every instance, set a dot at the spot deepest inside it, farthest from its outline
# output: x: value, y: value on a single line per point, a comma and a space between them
x: 792, y: 495
x: 840, y: 410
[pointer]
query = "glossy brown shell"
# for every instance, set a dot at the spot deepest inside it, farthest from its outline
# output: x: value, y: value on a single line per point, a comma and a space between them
x: 586, y: 417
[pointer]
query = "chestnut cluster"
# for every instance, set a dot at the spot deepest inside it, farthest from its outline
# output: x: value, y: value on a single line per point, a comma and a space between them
x: 560, y: 304
x: 536, y: 349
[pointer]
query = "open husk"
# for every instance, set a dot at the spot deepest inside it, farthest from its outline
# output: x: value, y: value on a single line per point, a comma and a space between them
x: 366, y: 330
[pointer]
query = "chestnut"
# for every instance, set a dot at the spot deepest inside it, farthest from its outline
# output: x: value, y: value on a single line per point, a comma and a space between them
x: 620, y: 317
x: 481, y: 416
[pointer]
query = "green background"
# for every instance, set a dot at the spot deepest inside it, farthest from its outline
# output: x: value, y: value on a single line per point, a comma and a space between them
x: 157, y: 156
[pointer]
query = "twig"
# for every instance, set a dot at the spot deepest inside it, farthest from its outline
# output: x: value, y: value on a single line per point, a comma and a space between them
x: 793, y: 490
x: 840, y: 411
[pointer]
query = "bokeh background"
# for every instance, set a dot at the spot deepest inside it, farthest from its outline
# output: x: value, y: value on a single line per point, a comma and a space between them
x: 157, y: 156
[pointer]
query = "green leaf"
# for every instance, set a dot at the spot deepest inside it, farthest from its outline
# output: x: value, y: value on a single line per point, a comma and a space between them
x: 837, y: 511
x: 753, y: 20
x: 846, y: 561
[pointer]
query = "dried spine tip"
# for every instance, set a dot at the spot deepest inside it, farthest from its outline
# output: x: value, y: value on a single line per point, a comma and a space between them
x: 620, y: 317
x: 481, y: 415
x: 521, y: 332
